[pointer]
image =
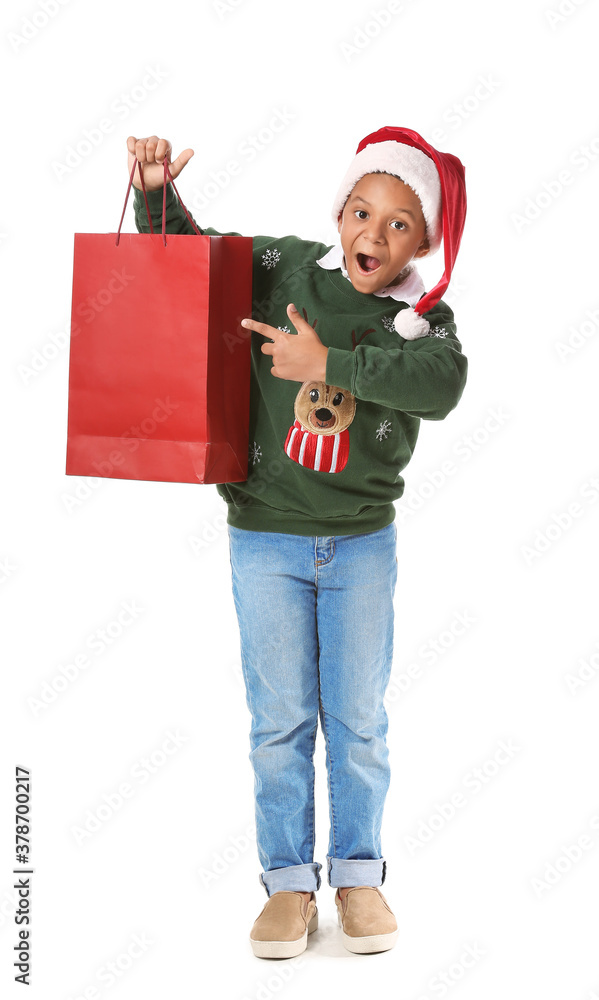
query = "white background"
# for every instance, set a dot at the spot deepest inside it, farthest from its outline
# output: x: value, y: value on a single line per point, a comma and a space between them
x: 512, y: 92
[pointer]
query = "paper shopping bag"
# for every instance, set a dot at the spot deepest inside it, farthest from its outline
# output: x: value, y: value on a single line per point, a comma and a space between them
x: 159, y: 366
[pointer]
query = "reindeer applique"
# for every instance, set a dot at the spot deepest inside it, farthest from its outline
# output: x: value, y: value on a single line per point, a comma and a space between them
x: 319, y: 437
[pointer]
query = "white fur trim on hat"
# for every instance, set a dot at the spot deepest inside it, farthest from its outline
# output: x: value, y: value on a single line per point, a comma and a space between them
x: 412, y: 166
x: 410, y: 325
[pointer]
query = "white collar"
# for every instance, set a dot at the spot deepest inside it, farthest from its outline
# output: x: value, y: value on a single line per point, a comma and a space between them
x: 410, y: 290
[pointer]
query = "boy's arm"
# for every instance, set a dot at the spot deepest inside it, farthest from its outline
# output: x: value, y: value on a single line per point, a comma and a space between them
x: 176, y: 220
x: 423, y: 377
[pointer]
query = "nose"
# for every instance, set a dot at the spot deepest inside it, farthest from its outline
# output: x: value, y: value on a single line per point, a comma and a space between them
x: 374, y: 231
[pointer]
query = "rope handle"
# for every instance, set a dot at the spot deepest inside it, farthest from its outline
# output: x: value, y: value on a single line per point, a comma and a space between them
x: 167, y: 176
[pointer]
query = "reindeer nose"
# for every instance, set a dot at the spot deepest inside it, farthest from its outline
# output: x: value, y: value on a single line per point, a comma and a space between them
x: 323, y: 414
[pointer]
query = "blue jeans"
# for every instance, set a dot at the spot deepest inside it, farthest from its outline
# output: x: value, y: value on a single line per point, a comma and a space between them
x: 316, y: 627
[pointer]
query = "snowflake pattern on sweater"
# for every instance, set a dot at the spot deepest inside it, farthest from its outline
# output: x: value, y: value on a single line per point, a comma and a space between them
x: 383, y: 430
x: 271, y: 258
x: 255, y: 453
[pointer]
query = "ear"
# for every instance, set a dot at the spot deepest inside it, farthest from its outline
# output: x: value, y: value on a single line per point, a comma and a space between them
x: 339, y: 221
x: 423, y: 249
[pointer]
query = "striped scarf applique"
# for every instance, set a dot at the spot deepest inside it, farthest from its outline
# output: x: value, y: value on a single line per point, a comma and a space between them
x: 321, y: 452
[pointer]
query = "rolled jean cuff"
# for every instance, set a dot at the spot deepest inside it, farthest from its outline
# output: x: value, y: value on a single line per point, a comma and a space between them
x: 350, y: 872
x: 294, y: 878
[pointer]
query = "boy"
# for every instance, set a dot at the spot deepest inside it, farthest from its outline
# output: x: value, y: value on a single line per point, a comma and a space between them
x: 348, y: 356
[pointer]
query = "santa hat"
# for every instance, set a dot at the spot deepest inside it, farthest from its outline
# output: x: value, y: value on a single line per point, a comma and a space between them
x: 438, y: 181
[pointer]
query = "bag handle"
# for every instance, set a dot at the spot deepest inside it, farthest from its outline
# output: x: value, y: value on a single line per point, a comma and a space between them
x: 167, y: 176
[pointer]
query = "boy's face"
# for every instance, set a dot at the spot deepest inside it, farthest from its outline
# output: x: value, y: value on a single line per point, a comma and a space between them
x: 382, y: 229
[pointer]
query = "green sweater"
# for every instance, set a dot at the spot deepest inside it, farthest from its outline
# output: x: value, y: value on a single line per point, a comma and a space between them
x: 343, y: 477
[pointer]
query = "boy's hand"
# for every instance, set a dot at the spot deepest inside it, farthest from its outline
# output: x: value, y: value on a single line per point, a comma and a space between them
x: 300, y: 357
x: 151, y: 152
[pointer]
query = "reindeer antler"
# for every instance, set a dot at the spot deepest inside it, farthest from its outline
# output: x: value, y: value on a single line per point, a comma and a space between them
x: 313, y: 325
x: 353, y: 337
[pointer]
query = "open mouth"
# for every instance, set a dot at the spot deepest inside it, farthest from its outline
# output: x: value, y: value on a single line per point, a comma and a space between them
x: 366, y: 264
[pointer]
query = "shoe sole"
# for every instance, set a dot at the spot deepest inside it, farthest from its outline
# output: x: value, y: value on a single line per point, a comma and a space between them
x: 368, y: 944
x: 284, y: 949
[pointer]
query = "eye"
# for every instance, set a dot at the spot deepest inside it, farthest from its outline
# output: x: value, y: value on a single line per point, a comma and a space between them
x: 398, y: 223
x: 314, y: 395
x: 337, y: 399
x: 361, y: 213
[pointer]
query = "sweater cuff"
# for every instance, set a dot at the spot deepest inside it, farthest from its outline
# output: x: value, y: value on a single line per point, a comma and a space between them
x: 340, y: 368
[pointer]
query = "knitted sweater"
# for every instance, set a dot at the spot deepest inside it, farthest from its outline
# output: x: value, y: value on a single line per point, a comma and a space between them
x: 326, y: 458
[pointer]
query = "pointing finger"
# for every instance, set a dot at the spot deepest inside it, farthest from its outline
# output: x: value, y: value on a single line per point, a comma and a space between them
x: 262, y: 328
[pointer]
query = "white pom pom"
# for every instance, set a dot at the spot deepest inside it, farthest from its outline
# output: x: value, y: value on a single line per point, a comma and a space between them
x: 410, y: 325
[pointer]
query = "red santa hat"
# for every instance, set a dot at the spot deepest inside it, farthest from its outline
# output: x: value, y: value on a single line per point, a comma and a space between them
x: 438, y: 181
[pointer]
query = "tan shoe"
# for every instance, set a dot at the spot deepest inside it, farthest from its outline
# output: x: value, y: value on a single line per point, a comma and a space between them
x: 366, y: 919
x: 281, y: 930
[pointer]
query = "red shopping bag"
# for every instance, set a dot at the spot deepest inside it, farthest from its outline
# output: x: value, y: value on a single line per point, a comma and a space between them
x: 159, y: 366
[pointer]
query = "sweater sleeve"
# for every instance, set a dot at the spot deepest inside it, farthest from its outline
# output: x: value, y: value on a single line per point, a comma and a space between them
x: 176, y: 220
x: 423, y: 377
